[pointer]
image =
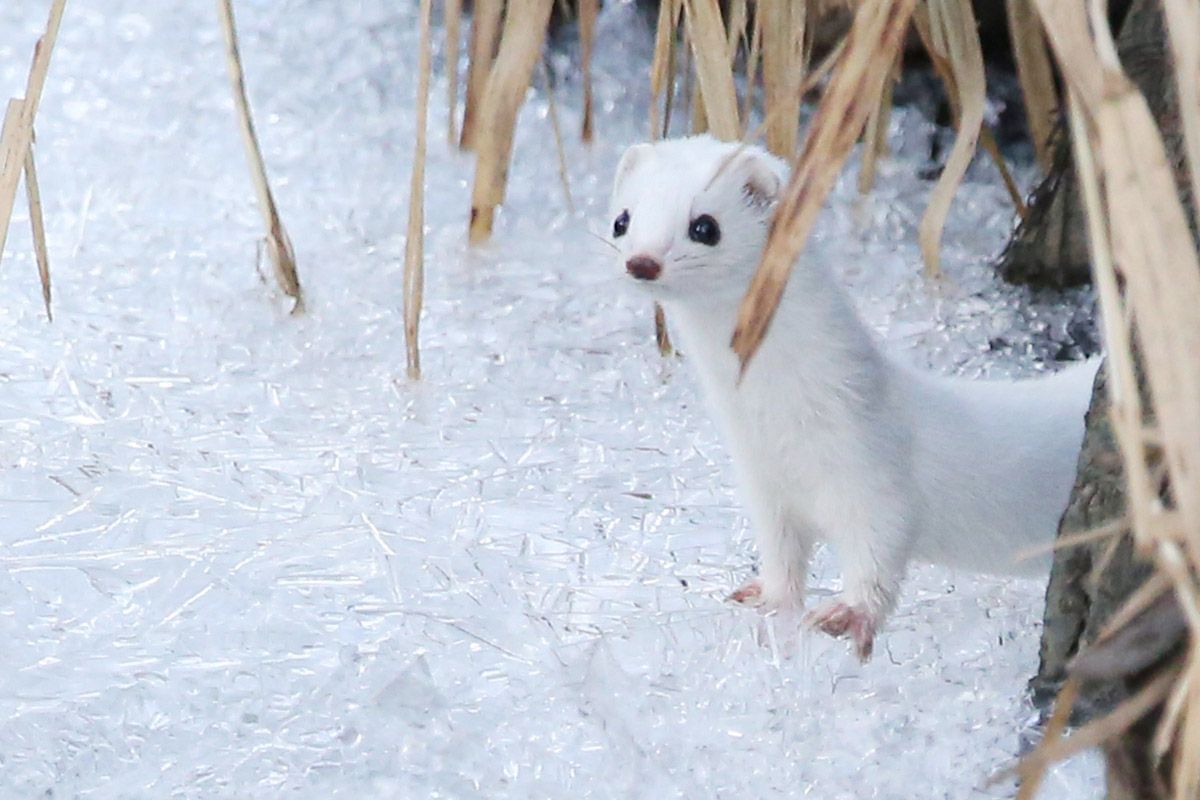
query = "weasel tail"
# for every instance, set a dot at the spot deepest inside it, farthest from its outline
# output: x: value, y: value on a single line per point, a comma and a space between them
x: 832, y: 439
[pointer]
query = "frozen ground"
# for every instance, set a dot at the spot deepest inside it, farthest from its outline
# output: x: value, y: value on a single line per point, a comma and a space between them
x: 240, y: 555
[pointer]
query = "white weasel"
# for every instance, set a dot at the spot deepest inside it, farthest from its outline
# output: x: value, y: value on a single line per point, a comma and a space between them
x: 831, y: 438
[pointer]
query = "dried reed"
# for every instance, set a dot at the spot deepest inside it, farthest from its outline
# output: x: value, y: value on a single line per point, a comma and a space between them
x: 16, y: 150
x: 871, y: 48
x: 782, y: 27
x: 1036, y: 76
x: 414, y: 244
x: 588, y: 9
x: 485, y: 28
x: 279, y: 246
x: 452, y: 19
x: 714, y: 75
x: 520, y: 46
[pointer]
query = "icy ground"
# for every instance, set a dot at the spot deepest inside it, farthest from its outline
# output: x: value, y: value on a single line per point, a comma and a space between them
x: 241, y: 555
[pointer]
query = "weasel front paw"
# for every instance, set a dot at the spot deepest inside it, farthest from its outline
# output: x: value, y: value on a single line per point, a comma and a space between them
x: 841, y: 619
x: 749, y: 593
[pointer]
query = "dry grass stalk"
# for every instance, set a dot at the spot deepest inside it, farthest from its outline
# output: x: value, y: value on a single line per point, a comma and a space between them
x: 660, y: 332
x: 559, y: 148
x: 714, y: 76
x: 1096, y: 732
x: 452, y: 19
x: 783, y: 65
x: 753, y: 54
x: 945, y: 71
x: 16, y: 148
x: 520, y: 47
x: 485, y: 28
x: 952, y: 35
x: 279, y: 247
x: 1031, y: 774
x: 662, y: 77
x: 662, y: 68
x: 1036, y: 76
x: 414, y: 244
x: 34, y: 197
x: 735, y: 35
x: 875, y: 136
x: 1138, y: 230
x: 871, y: 46
x: 588, y: 9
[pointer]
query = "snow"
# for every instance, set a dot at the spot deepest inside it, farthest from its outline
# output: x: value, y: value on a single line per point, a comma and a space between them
x: 241, y: 554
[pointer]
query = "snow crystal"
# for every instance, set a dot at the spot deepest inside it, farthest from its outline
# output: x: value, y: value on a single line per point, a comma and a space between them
x: 242, y: 555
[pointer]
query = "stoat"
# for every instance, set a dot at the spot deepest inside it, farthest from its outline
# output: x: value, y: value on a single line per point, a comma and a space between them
x: 832, y: 439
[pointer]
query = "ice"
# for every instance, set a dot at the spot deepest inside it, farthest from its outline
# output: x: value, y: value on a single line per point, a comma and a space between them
x: 242, y: 555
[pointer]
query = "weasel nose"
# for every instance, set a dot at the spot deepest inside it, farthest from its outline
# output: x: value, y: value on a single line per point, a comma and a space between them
x: 643, y: 268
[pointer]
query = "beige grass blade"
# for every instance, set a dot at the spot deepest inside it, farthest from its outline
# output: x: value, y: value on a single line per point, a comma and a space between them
x: 560, y: 149
x: 485, y: 30
x: 588, y: 9
x: 875, y: 136
x: 783, y: 26
x: 414, y: 244
x: 34, y: 195
x: 713, y: 72
x: 1036, y: 77
x: 953, y: 35
x: 662, y: 72
x: 871, y: 47
x: 736, y: 30
x: 520, y: 47
x: 753, y: 56
x: 279, y: 247
x: 13, y: 144
x: 16, y: 137
x: 452, y: 19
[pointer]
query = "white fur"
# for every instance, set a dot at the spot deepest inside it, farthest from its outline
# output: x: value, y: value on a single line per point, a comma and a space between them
x: 832, y: 439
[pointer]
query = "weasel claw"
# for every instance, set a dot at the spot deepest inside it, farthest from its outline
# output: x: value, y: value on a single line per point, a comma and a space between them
x: 839, y: 619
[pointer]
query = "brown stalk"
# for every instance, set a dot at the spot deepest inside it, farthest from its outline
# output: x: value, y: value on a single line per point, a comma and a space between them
x: 875, y: 136
x: 16, y: 142
x: 662, y: 72
x: 414, y: 244
x: 953, y: 35
x: 588, y: 9
x: 1036, y: 76
x: 279, y: 247
x: 662, y: 76
x: 485, y: 28
x: 559, y: 149
x: 713, y: 73
x: 34, y: 198
x: 945, y: 71
x: 871, y: 47
x: 1098, y: 731
x: 452, y: 18
x: 753, y: 55
x: 520, y: 47
x: 783, y: 73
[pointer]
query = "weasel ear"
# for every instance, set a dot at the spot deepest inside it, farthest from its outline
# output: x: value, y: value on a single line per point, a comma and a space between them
x: 633, y: 156
x: 762, y: 177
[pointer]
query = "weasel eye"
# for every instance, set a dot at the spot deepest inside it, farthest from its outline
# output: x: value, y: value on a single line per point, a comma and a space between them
x: 621, y: 224
x: 704, y: 229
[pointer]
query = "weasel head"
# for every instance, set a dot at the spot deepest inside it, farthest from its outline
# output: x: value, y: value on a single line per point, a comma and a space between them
x: 690, y: 217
